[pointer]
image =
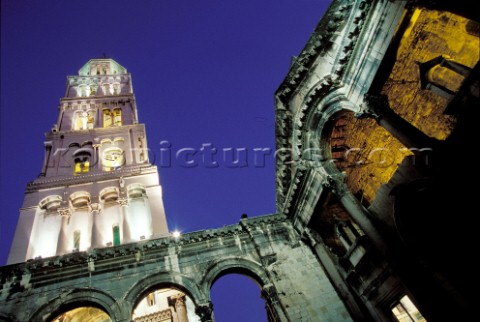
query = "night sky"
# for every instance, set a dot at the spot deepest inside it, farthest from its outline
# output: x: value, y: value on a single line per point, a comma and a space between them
x: 204, y: 74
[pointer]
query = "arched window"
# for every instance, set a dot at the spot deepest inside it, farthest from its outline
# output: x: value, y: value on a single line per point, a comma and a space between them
x: 107, y: 118
x: 116, y: 235
x: 93, y: 89
x: 116, y: 88
x: 117, y: 117
x: 348, y: 232
x: 112, y: 159
x: 107, y: 89
x: 251, y: 308
x: 84, y: 120
x: 76, y: 240
x: 82, y: 162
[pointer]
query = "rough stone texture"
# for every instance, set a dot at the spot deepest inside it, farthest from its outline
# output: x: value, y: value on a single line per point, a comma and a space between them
x: 430, y: 35
x: 267, y: 248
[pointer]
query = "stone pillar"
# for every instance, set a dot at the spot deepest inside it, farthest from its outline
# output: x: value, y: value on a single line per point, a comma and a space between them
x: 356, y: 210
x: 314, y: 240
x: 48, y: 151
x: 62, y: 246
x: 205, y: 312
x: 96, y: 157
x: 377, y: 107
x: 60, y: 118
x: 95, y: 208
x: 122, y: 222
x: 180, y: 307
x: 275, y: 309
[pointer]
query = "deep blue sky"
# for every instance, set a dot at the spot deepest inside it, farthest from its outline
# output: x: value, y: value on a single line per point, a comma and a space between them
x: 204, y: 72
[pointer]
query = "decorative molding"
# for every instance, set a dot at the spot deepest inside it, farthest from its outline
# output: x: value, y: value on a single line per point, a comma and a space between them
x: 65, y: 212
x: 319, y: 43
x: 49, y: 182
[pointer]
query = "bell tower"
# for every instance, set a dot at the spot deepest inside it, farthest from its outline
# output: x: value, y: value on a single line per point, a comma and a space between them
x: 97, y: 187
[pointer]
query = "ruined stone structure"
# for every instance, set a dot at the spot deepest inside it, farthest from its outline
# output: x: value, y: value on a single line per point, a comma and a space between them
x: 374, y: 122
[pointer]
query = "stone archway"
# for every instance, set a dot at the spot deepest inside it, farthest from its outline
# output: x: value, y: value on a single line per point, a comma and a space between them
x: 164, y: 293
x: 80, y: 298
x: 248, y: 268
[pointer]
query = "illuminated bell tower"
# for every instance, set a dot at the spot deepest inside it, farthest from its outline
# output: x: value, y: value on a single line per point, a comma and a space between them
x: 97, y: 187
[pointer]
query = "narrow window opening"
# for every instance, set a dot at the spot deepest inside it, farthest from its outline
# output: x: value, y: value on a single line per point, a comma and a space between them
x: 116, y: 235
x: 406, y: 311
x: 76, y: 240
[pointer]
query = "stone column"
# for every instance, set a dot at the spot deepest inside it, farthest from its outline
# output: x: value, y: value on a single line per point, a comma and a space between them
x: 60, y: 118
x: 356, y: 210
x: 65, y: 213
x: 96, y: 157
x: 95, y: 208
x: 377, y: 107
x: 180, y: 307
x: 205, y: 312
x: 275, y: 310
x: 122, y: 222
x: 314, y: 240
x: 48, y: 151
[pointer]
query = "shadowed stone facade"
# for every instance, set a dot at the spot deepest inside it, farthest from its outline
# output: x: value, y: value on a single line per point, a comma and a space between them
x: 372, y: 122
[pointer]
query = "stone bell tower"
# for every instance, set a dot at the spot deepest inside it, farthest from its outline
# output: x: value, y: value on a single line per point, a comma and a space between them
x: 97, y: 187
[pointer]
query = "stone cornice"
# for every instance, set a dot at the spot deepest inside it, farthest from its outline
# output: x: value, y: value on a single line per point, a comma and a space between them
x: 96, y: 131
x: 45, y: 270
x: 96, y: 98
x: 50, y: 182
x: 319, y: 44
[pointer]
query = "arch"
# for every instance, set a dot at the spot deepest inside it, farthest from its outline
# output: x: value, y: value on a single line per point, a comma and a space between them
x: 83, y: 120
x: 80, y: 297
x: 106, y: 141
x: 317, y: 121
x: 162, y: 280
x: 81, y: 159
x: 233, y: 265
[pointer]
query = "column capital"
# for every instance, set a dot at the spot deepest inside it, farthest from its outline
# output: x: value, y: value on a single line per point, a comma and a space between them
x: 64, y: 212
x: 122, y: 201
x: 95, y: 207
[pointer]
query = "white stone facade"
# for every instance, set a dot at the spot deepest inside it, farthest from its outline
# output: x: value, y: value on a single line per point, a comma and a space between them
x: 97, y: 187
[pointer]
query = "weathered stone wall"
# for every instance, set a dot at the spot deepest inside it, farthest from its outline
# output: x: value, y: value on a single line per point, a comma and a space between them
x: 266, y: 248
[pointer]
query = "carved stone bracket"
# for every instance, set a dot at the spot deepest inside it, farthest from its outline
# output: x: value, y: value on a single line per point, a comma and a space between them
x: 65, y: 212
x: 95, y: 207
x: 122, y: 202
x: 374, y: 106
x: 204, y: 311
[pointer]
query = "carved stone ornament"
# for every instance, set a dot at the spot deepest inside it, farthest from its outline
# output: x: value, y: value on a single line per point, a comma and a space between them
x: 122, y: 201
x: 64, y: 212
x: 95, y: 207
